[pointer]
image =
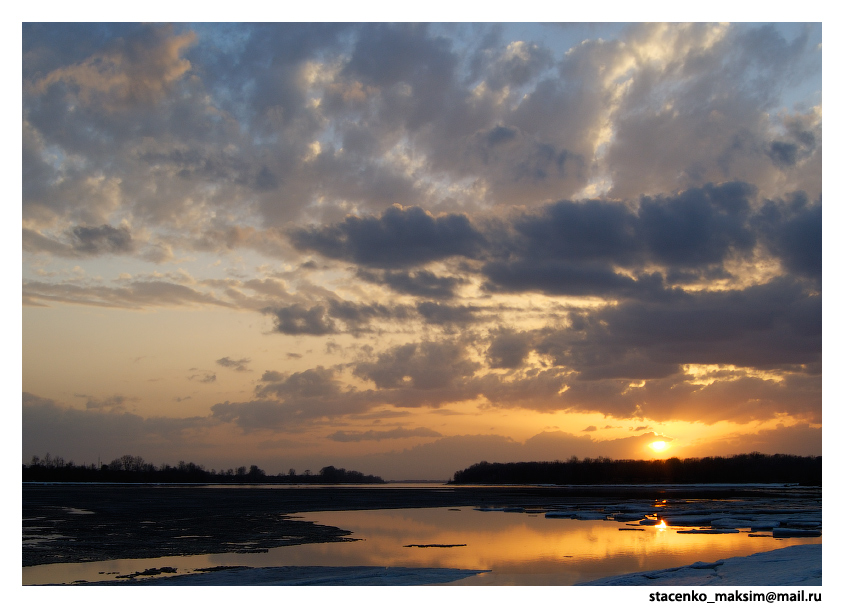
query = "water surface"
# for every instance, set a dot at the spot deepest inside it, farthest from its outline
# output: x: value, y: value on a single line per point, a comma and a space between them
x: 517, y: 548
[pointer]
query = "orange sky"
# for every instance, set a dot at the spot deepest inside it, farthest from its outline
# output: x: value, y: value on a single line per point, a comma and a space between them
x: 404, y: 249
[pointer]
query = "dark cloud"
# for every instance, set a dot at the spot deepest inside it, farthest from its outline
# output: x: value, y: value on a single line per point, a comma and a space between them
x: 317, y: 382
x: 377, y: 436
x: 356, y: 316
x: 561, y: 278
x: 296, y: 319
x: 420, y: 366
x: 88, y: 434
x: 291, y: 401
x: 589, y: 248
x: 446, y: 315
x: 766, y: 326
x: 783, y: 153
x: 793, y: 231
x: 592, y: 231
x: 508, y: 348
x: 698, y: 226
x: 579, y: 248
x: 101, y: 239
x: 400, y: 237
x: 113, y: 403
x: 333, y: 317
x: 237, y: 364
x: 420, y: 283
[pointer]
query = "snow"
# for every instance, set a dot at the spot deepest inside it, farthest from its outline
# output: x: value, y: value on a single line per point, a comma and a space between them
x: 792, y: 566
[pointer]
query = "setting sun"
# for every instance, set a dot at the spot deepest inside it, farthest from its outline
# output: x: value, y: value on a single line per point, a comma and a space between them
x: 659, y: 446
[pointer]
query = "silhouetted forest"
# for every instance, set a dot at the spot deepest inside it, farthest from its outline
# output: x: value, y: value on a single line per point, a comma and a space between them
x: 129, y: 468
x: 746, y: 468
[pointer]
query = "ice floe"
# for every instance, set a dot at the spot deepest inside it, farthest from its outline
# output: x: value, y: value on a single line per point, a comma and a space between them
x: 785, y: 532
x: 629, y: 517
x: 577, y: 515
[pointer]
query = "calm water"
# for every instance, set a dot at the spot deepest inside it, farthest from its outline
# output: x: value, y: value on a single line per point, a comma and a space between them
x: 518, y: 548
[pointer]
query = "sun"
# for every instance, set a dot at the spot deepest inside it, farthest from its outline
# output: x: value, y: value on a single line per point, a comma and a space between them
x: 659, y: 446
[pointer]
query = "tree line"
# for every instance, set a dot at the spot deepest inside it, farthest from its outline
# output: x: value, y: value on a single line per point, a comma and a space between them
x: 746, y: 468
x: 130, y: 468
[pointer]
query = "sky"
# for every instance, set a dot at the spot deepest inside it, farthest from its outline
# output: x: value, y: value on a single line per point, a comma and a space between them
x: 406, y: 248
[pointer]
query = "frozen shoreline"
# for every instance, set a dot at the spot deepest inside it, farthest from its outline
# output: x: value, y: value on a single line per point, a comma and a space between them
x: 792, y: 566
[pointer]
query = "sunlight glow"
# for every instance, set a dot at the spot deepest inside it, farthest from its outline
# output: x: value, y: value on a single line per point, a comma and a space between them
x: 659, y: 446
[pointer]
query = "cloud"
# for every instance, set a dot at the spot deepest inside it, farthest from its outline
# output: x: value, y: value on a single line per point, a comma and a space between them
x: 315, y: 382
x: 296, y: 319
x: 203, y: 377
x: 87, y: 434
x: 333, y: 317
x: 400, y: 237
x: 792, y: 229
x: 300, y: 406
x: 237, y: 364
x: 446, y: 315
x: 102, y: 239
x: 377, y: 436
x: 508, y: 348
x: 621, y: 220
x: 82, y: 241
x: 137, y: 69
x: 134, y: 295
x: 769, y: 326
x: 113, y: 403
x: 421, y: 283
x: 420, y: 366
